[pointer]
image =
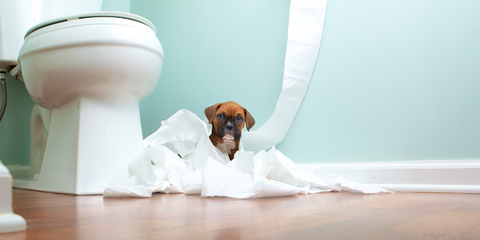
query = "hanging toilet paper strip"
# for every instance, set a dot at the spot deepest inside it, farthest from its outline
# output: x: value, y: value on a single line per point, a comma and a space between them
x: 305, y: 29
x: 203, y: 169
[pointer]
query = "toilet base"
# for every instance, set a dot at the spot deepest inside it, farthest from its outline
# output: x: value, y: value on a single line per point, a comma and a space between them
x: 90, y: 145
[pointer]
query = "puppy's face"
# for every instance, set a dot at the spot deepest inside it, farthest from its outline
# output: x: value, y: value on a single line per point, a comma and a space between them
x: 228, y: 120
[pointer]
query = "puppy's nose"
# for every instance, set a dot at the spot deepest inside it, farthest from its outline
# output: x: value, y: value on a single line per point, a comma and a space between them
x: 229, y: 126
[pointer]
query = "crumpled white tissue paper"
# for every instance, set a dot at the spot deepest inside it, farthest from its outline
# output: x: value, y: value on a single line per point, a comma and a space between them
x: 204, y: 170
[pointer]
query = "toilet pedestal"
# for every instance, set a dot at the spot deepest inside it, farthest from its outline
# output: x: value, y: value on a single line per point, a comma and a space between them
x: 90, y: 145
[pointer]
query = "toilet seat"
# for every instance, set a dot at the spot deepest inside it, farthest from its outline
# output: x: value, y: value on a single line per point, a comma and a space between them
x: 72, y: 21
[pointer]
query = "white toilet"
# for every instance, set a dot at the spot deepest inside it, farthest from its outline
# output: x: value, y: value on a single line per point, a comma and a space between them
x: 87, y: 73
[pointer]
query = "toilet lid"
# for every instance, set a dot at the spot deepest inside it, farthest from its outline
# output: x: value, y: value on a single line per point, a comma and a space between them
x: 92, y: 15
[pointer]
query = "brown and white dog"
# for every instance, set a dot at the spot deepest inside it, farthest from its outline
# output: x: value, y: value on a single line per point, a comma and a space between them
x: 228, y: 120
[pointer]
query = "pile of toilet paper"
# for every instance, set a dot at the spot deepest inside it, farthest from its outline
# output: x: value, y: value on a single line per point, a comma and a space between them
x: 203, y: 169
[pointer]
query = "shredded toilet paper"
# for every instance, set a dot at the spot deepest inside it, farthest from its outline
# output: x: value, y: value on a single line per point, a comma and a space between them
x: 203, y: 169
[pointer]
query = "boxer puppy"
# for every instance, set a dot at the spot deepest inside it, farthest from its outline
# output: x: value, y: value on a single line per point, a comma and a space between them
x: 228, y: 120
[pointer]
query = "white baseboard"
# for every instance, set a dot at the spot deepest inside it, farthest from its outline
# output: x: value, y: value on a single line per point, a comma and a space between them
x: 420, y: 176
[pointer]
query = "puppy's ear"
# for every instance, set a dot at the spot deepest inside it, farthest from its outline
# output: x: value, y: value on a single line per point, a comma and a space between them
x: 249, y: 121
x: 210, y: 112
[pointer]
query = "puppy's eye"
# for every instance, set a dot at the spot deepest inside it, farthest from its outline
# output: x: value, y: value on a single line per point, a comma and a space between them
x: 220, y: 116
x: 239, y: 119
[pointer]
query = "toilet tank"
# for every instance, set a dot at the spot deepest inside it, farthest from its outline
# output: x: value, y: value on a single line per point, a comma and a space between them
x: 17, y: 16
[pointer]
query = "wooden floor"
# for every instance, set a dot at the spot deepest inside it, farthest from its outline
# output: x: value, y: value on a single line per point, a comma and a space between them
x: 318, y: 216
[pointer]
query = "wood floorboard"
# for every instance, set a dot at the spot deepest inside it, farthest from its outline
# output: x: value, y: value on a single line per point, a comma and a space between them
x: 340, y: 215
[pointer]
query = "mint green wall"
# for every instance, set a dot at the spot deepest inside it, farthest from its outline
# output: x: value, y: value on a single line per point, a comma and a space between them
x: 116, y: 5
x: 15, y: 125
x: 395, y: 80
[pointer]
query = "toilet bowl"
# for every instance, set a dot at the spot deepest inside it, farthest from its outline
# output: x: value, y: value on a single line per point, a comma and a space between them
x: 87, y: 74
